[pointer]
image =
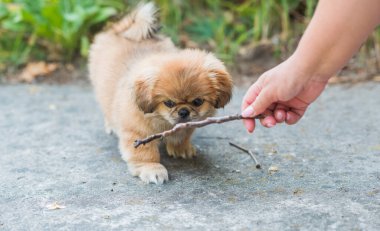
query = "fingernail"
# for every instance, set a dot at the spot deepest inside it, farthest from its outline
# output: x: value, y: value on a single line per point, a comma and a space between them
x: 288, y: 117
x: 269, y: 125
x: 280, y: 116
x: 247, y: 112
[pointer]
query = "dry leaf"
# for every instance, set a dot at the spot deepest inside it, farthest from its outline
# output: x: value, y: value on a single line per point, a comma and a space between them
x: 376, y: 78
x: 272, y: 169
x: 70, y: 67
x: 298, y: 191
x: 373, y: 192
x: 35, y: 69
x: 187, y: 42
x: 55, y: 206
x: 375, y: 148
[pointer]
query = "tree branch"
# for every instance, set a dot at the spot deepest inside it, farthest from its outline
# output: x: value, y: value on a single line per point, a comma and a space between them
x: 193, y: 124
x: 249, y: 152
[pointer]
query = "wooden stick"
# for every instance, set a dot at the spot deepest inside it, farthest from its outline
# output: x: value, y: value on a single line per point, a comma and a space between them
x: 193, y: 124
x: 249, y: 152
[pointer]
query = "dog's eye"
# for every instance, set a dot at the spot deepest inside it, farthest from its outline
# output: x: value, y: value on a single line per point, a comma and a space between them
x: 197, y: 102
x: 169, y: 103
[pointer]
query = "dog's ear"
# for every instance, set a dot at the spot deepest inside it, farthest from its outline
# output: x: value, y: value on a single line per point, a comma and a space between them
x: 143, y: 96
x: 220, y: 79
x: 222, y: 83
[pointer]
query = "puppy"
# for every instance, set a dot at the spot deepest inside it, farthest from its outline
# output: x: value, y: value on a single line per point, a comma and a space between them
x: 145, y: 85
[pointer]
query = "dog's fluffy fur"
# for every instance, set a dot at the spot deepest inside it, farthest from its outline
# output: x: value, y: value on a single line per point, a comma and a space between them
x: 145, y: 85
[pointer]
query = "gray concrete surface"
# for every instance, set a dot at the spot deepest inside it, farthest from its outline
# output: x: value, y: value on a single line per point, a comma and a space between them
x: 53, y: 149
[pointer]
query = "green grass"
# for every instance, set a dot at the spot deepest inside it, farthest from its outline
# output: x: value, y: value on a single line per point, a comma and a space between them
x: 226, y: 25
x: 61, y: 30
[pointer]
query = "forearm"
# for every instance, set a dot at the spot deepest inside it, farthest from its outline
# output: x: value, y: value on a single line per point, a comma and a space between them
x: 334, y: 35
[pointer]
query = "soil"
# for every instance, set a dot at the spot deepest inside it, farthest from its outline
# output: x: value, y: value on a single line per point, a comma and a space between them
x: 250, y: 63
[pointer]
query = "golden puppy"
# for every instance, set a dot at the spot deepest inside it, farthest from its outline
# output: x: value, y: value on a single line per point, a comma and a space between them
x: 145, y: 85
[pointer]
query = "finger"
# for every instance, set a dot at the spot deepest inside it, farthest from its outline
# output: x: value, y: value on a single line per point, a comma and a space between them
x: 247, y: 111
x: 251, y: 95
x: 262, y: 102
x: 269, y: 120
x: 292, y: 117
x: 249, y: 125
x: 280, y: 113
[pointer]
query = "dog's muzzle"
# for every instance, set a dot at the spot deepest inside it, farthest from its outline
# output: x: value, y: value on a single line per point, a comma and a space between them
x: 183, y: 113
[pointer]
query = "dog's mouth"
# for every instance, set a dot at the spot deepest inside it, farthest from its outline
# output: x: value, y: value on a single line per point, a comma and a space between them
x: 177, y: 120
x: 184, y: 120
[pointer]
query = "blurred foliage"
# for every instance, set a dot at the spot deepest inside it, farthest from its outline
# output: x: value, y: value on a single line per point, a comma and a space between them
x: 61, y: 30
x: 225, y: 25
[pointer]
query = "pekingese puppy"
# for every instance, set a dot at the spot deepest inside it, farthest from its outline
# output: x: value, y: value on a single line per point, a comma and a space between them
x: 145, y: 85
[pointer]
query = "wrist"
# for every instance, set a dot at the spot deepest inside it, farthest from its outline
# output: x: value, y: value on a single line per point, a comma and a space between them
x: 309, y: 67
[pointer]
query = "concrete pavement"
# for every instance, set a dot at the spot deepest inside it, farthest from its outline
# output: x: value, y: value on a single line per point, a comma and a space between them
x: 53, y: 149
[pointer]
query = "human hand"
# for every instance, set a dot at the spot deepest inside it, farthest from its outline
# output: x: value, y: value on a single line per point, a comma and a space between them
x: 281, y: 94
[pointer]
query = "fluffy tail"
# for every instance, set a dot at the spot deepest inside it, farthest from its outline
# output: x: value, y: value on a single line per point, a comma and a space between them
x: 140, y: 24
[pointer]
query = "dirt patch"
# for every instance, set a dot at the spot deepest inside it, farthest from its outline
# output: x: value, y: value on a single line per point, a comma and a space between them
x: 254, y: 60
x: 251, y: 62
x: 62, y: 74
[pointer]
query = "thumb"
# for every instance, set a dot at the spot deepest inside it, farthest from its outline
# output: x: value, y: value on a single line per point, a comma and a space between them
x: 262, y: 102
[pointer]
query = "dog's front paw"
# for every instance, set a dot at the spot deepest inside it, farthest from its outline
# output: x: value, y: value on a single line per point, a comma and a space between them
x: 149, y: 172
x: 183, y: 151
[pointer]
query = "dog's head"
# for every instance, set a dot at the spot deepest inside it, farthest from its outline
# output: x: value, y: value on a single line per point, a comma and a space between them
x: 185, y: 86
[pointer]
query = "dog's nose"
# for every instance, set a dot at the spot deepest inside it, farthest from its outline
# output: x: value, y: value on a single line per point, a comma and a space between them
x: 183, y: 113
